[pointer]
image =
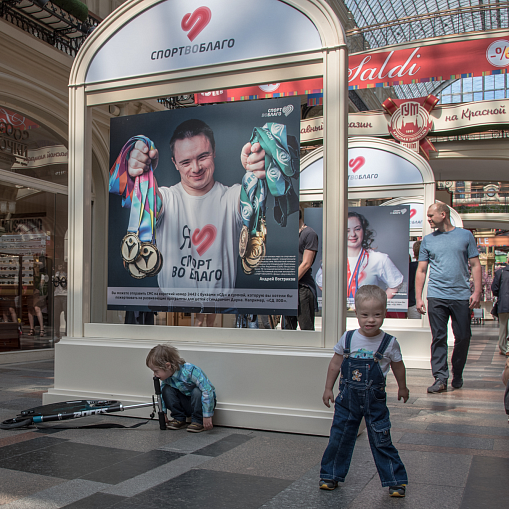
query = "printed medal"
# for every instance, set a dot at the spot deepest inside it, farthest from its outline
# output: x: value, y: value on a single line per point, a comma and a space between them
x: 147, y: 261
x: 243, y: 241
x: 130, y: 247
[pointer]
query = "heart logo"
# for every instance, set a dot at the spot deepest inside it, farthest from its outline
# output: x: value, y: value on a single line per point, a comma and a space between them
x: 412, y: 213
x: 204, y: 238
x: 194, y: 23
x: 287, y: 109
x: 356, y: 163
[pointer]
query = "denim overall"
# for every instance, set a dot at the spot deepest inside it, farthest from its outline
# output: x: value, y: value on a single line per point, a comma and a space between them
x: 362, y: 394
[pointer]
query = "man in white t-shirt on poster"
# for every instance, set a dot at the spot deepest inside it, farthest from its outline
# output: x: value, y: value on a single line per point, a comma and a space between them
x: 198, y: 219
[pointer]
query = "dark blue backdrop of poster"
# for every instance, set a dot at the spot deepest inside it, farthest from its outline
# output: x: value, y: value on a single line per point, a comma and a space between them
x: 271, y: 289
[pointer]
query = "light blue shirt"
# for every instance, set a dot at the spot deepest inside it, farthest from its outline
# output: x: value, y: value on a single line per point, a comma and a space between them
x: 189, y: 377
x: 447, y: 254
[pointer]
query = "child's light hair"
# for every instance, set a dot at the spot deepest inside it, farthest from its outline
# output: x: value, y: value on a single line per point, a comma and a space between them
x: 161, y: 354
x: 416, y: 247
x: 368, y: 292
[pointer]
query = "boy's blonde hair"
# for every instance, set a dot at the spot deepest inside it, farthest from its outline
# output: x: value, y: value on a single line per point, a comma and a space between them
x: 368, y: 292
x: 416, y: 247
x: 161, y: 354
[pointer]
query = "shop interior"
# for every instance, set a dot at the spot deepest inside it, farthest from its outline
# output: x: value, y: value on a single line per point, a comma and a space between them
x: 33, y: 228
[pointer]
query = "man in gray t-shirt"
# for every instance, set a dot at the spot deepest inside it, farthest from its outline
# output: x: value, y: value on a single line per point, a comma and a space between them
x: 448, y: 251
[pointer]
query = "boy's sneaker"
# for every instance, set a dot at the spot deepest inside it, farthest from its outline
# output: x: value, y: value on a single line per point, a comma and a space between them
x: 398, y: 490
x: 438, y: 386
x: 195, y: 427
x: 174, y: 424
x: 326, y: 484
x: 457, y: 383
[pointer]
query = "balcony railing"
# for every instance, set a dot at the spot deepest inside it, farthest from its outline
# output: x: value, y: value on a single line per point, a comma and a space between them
x: 50, y: 24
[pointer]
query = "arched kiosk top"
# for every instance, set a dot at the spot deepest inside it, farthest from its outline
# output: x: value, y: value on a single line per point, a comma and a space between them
x: 372, y: 163
x: 148, y: 42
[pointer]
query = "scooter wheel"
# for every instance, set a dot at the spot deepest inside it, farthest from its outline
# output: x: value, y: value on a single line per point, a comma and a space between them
x: 15, y: 423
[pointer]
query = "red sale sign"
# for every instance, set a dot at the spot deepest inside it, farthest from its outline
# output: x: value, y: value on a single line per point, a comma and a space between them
x: 434, y: 62
x: 438, y: 62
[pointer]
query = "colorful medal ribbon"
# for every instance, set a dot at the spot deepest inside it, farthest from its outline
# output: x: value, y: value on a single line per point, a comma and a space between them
x: 353, y: 279
x: 281, y: 165
x: 138, y: 249
x: 138, y: 194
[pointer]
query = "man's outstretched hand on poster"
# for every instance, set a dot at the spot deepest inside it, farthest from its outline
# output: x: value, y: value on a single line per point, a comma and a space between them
x: 252, y: 158
x: 141, y: 158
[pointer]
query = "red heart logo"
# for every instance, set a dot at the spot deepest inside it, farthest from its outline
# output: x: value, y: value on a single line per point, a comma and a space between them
x: 356, y: 163
x: 412, y: 212
x: 194, y: 23
x: 204, y: 238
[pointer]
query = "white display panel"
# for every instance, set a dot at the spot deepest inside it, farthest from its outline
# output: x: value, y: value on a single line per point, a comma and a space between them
x: 181, y: 34
x: 367, y: 167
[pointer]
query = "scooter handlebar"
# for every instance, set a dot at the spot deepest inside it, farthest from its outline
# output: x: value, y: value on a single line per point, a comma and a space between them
x: 160, y: 413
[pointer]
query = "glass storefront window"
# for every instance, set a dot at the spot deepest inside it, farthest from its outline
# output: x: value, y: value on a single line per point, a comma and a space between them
x: 33, y: 227
x: 29, y: 149
x: 33, y: 274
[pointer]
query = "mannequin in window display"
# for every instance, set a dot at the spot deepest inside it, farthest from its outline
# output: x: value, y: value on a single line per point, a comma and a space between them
x: 7, y: 307
x: 38, y: 300
x: 204, y: 318
x: 59, y: 299
x: 34, y: 308
x: 365, y: 265
x: 7, y: 298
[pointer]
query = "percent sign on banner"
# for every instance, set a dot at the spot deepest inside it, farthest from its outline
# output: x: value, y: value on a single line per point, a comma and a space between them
x: 498, y: 53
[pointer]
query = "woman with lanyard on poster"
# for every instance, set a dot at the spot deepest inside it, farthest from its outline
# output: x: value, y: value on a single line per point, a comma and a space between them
x: 366, y: 266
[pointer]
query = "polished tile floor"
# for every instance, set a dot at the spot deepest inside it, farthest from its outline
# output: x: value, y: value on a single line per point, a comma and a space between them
x: 455, y: 446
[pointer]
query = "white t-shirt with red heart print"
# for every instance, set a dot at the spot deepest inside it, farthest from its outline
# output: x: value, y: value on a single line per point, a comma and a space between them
x: 198, y: 237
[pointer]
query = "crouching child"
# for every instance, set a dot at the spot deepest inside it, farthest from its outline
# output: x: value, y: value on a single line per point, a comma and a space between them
x: 364, y: 357
x: 186, y: 390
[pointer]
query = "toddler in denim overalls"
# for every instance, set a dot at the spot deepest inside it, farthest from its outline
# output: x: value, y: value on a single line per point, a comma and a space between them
x: 362, y: 394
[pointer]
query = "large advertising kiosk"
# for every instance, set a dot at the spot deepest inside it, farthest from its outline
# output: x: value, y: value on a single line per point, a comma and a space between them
x: 149, y: 49
x: 386, y: 171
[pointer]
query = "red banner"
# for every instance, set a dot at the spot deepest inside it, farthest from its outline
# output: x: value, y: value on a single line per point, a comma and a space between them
x: 217, y: 96
x: 438, y: 62
x: 289, y: 88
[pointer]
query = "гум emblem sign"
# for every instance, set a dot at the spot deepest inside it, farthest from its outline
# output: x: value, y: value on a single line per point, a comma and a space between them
x: 410, y: 121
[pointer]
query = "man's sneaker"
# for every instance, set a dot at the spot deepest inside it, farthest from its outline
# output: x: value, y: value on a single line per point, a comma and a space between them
x: 326, y: 484
x: 457, y: 383
x: 195, y: 427
x: 398, y: 490
x: 438, y: 386
x: 174, y: 424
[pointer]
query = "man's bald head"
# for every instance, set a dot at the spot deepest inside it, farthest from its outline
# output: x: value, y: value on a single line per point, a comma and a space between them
x: 439, y: 216
x: 441, y: 207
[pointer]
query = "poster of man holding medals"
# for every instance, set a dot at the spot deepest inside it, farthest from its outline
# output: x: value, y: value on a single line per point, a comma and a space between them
x: 202, y: 204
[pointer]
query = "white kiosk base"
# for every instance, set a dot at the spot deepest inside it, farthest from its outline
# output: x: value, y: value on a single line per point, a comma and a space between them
x: 276, y: 388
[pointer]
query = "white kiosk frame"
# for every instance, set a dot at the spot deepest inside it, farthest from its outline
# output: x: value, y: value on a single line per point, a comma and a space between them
x: 264, y: 379
x: 414, y: 336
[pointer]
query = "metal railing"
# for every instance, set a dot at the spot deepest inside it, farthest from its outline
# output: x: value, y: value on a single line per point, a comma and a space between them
x: 55, y: 27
